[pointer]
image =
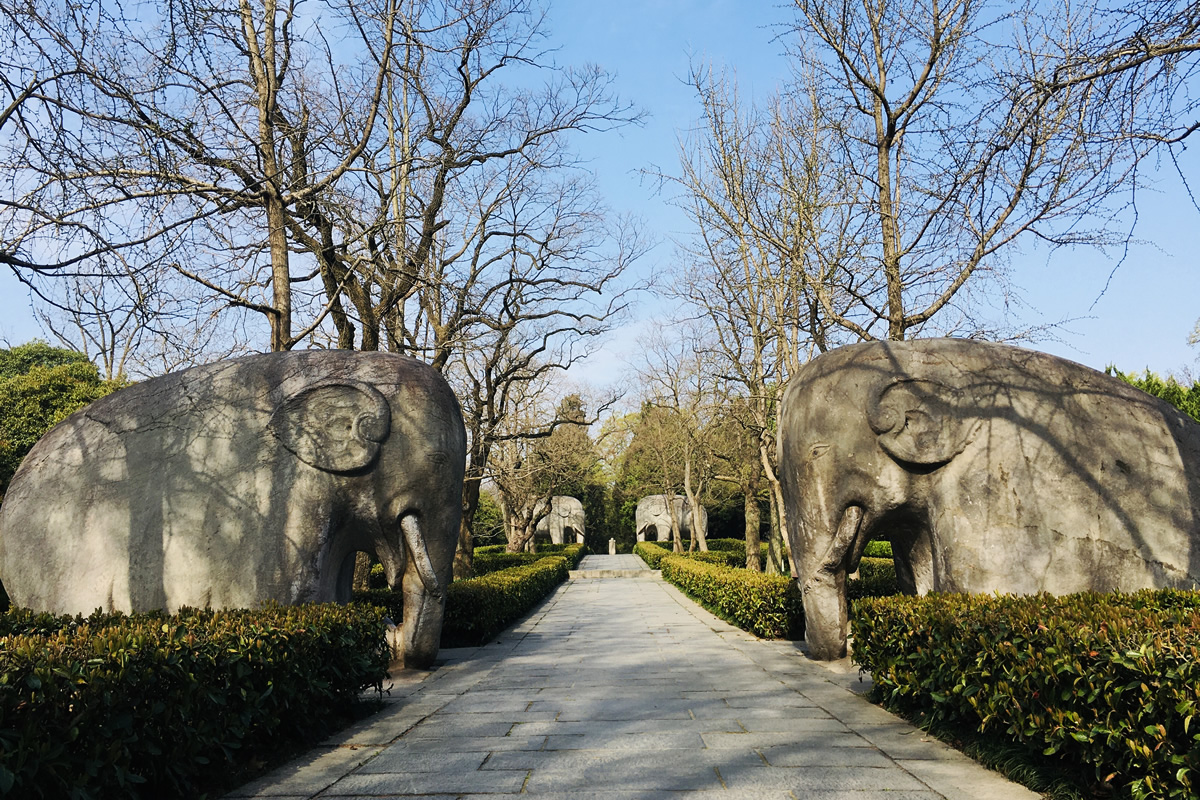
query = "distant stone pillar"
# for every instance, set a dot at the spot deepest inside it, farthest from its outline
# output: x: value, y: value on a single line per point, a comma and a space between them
x: 612, y: 547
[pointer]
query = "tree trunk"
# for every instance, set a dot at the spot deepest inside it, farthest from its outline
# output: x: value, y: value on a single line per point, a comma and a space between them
x: 464, y: 555
x: 753, y: 523
x: 698, y: 536
x: 775, y: 546
x: 281, y: 279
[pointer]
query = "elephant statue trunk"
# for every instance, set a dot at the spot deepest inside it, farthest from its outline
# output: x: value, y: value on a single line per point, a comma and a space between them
x: 424, y: 599
x: 826, y: 612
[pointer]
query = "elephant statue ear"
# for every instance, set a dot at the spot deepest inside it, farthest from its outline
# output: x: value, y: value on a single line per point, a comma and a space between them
x: 920, y: 422
x: 335, y: 427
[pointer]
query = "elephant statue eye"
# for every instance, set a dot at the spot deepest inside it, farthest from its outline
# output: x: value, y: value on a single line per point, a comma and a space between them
x: 817, y: 450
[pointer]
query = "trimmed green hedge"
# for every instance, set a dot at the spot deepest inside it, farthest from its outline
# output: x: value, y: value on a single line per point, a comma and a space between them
x: 152, y: 705
x: 738, y: 546
x: 489, y: 560
x: 876, y: 578
x: 494, y: 562
x: 878, y: 548
x: 573, y: 553
x: 740, y: 597
x: 766, y: 605
x: 722, y: 558
x: 651, y: 553
x: 479, y: 608
x: 1111, y: 682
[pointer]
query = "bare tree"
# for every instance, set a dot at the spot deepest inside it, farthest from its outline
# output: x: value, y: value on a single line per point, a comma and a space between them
x: 968, y: 127
x: 160, y: 147
x: 410, y: 189
x: 756, y: 185
x: 540, y: 450
x: 144, y: 325
x: 533, y: 295
x: 654, y: 450
x: 319, y: 186
x: 407, y: 241
x: 736, y: 456
x: 915, y: 143
x: 684, y: 392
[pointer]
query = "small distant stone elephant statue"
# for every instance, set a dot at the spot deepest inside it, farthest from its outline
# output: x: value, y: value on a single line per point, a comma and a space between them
x: 651, y: 516
x: 246, y: 481
x: 990, y: 468
x: 564, y: 519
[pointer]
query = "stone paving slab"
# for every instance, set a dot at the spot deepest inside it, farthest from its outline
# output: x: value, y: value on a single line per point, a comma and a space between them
x: 622, y: 688
x: 622, y: 566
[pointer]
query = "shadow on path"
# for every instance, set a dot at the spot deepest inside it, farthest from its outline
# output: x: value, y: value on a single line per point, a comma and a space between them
x: 619, y: 688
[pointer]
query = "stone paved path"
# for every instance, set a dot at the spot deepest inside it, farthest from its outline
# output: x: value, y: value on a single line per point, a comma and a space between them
x: 622, y: 687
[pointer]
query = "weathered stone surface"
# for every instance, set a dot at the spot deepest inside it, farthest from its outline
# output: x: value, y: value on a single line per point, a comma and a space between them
x: 565, y: 518
x: 992, y: 468
x: 244, y: 481
x: 651, y: 516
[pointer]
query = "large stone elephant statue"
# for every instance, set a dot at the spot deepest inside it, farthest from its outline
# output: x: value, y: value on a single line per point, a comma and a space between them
x: 651, y: 516
x: 564, y: 519
x: 245, y: 481
x: 990, y: 468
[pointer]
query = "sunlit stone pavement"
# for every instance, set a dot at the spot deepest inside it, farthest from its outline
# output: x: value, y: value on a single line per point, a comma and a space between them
x: 622, y: 687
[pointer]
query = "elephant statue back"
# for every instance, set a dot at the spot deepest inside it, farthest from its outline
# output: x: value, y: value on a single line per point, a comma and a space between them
x: 652, y: 517
x: 564, y: 521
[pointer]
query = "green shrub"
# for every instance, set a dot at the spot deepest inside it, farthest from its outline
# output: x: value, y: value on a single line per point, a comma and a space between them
x: 1185, y: 398
x: 879, y: 548
x: 651, y: 553
x: 765, y: 548
x: 494, y: 560
x: 876, y: 578
x: 728, y: 545
x: 487, y: 563
x: 490, y: 549
x: 766, y: 605
x: 1109, y: 682
x: 479, y: 608
x: 734, y: 549
x: 573, y: 553
x: 41, y: 386
x: 722, y: 558
x: 727, y: 552
x: 170, y: 706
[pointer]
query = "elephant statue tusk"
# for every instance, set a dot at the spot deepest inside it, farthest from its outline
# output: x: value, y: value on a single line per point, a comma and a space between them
x: 420, y: 555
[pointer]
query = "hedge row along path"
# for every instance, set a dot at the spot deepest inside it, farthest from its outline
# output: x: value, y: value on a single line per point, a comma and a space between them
x: 621, y: 687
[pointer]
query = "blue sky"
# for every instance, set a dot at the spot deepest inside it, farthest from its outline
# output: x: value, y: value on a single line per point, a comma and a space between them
x: 1140, y: 318
x: 1136, y: 317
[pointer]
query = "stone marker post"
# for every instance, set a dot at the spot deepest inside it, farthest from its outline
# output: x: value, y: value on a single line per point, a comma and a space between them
x: 612, y: 547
